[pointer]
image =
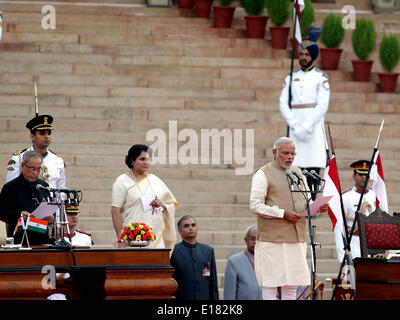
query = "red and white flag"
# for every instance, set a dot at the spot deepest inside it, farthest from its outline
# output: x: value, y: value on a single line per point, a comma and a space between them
x: 378, y: 184
x: 332, y: 188
x: 298, y: 9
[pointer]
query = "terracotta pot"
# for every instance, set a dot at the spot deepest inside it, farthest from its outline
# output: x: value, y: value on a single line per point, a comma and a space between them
x: 362, y: 69
x: 279, y: 37
x: 388, y: 81
x: 330, y: 58
x: 188, y: 4
x: 255, y: 26
x: 223, y: 16
x: 202, y: 8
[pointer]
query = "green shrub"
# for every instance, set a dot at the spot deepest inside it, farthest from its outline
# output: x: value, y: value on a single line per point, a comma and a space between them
x: 307, y: 17
x: 364, y: 38
x: 389, y: 52
x: 332, y: 32
x: 225, y: 3
x: 278, y: 11
x: 253, y: 7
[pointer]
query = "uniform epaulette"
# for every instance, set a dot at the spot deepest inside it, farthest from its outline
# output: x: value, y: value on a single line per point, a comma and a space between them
x: 53, y: 152
x: 19, y: 152
x: 80, y: 231
x: 323, y: 73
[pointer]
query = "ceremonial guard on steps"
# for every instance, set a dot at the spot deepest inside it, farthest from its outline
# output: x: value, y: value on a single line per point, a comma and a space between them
x: 351, y: 199
x: 53, y: 166
x: 310, y: 93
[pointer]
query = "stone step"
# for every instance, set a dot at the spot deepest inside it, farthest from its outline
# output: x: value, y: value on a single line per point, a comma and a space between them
x: 167, y: 82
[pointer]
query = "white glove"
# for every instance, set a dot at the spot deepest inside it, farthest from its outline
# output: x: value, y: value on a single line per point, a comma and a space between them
x: 302, y: 134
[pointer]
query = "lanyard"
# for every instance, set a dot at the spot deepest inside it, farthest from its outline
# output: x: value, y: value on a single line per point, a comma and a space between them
x: 251, y: 262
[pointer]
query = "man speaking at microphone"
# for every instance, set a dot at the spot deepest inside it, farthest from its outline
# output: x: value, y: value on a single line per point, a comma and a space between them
x: 281, y: 246
x: 21, y: 196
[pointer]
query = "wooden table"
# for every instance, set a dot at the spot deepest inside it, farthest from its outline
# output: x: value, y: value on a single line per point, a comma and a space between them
x: 377, y: 279
x: 95, y: 273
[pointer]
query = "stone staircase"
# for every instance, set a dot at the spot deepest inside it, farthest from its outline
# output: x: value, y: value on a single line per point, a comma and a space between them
x: 114, y: 70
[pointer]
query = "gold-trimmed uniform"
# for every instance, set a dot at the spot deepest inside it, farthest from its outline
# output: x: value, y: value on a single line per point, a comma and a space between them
x: 53, y: 168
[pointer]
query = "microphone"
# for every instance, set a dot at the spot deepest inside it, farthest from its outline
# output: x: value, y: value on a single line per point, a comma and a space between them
x: 297, y: 176
x: 289, y: 175
x: 308, y: 174
x: 316, y: 175
x: 65, y: 190
x: 40, y: 187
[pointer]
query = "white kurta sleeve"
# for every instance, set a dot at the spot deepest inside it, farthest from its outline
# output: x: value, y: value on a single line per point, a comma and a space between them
x: 259, y: 189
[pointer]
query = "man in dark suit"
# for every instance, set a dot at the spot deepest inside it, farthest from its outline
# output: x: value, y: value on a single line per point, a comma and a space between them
x: 21, y: 197
x: 194, y: 264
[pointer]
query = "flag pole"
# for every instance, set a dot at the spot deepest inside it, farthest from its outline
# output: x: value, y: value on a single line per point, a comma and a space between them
x: 292, y: 60
x: 36, y: 101
x: 368, y: 176
x: 345, y: 237
x: 360, y: 201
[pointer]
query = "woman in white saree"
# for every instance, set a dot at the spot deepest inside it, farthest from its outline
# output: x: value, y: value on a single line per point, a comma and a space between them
x: 141, y: 197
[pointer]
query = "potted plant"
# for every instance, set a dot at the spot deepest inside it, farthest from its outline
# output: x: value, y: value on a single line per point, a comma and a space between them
x: 389, y: 55
x: 332, y: 35
x: 223, y: 14
x: 256, y: 22
x: 278, y: 14
x: 203, y: 8
x: 363, y: 42
x: 187, y: 4
x: 307, y: 19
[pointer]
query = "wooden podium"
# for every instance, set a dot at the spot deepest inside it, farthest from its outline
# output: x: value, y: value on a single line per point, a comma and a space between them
x: 377, y: 279
x: 95, y: 273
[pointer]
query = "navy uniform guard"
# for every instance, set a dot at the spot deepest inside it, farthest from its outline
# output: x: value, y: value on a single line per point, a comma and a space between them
x: 310, y: 100
x: 53, y: 166
x: 351, y: 199
x: 78, y: 237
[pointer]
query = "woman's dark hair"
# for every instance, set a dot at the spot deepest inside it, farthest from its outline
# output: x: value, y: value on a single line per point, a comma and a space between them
x: 135, y: 152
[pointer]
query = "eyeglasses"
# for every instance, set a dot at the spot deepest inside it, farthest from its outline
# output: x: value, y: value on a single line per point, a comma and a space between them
x: 286, y: 153
x: 33, y: 169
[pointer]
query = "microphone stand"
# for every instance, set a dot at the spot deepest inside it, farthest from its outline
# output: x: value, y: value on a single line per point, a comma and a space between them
x: 62, y: 244
x: 310, y: 230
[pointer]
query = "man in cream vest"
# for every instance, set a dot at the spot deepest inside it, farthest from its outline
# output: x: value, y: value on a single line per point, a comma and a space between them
x: 281, y: 247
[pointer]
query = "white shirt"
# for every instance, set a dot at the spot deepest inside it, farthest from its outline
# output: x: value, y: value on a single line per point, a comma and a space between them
x: 53, y: 168
x: 80, y: 239
x: 350, y: 204
x: 311, y: 87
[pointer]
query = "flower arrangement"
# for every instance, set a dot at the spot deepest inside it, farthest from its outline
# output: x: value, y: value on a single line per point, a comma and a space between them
x: 137, y: 231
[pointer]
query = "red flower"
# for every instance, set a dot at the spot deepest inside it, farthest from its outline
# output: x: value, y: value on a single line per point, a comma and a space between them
x: 131, y: 236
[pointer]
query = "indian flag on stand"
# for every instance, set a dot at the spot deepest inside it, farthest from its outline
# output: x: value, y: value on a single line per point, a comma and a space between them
x: 19, y: 226
x: 37, y: 225
x: 32, y: 224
